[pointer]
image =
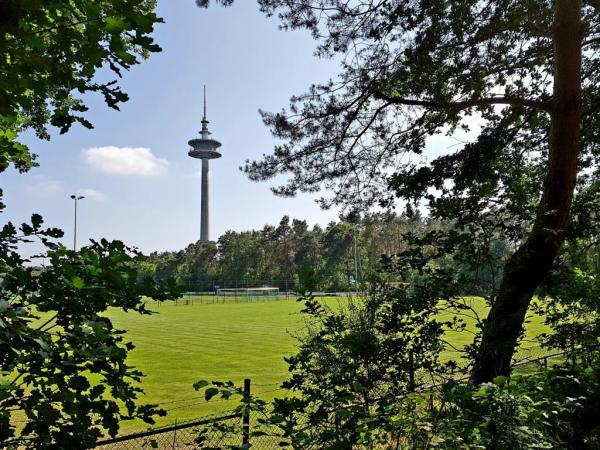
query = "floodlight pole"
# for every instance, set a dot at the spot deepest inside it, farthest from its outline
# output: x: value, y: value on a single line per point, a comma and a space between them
x: 75, y: 198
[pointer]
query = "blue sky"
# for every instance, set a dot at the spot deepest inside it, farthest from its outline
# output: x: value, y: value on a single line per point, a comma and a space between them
x: 133, y: 168
x: 153, y: 200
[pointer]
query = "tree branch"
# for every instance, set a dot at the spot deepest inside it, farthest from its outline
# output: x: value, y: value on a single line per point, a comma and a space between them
x: 513, y: 101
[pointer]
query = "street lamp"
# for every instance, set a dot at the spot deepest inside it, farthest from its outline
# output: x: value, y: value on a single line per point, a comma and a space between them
x: 75, y: 198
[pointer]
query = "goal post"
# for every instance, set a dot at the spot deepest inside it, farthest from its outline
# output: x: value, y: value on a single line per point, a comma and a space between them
x: 249, y: 292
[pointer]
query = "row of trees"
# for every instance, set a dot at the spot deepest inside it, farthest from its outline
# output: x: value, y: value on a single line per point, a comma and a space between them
x: 293, y: 255
x: 363, y: 373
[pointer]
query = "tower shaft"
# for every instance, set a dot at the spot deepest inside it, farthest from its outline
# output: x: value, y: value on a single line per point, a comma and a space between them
x: 204, y: 215
x: 204, y: 149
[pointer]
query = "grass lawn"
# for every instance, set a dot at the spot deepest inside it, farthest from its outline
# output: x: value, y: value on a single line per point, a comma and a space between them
x: 185, y: 343
x: 231, y: 341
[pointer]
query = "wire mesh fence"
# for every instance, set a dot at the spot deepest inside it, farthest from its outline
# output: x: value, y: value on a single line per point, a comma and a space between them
x: 214, y: 432
x: 182, y: 436
x: 232, y: 429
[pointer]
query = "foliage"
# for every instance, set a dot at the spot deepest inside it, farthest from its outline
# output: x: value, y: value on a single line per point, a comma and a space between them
x: 65, y: 380
x: 357, y: 359
x: 289, y: 254
x: 527, y: 74
x: 553, y: 409
x: 572, y: 308
x: 547, y: 409
x: 410, y: 70
x: 519, y: 78
x: 247, y: 338
x: 54, y: 52
x: 572, y: 293
x: 405, y: 75
x: 360, y: 376
x: 293, y: 256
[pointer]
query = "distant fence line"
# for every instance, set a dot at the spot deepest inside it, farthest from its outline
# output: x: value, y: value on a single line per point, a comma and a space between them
x: 284, y: 285
x: 234, y: 429
x: 205, y: 298
x: 233, y: 295
x: 213, y: 285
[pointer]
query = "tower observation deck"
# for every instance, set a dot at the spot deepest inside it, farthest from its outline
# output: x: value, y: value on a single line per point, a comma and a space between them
x: 204, y: 149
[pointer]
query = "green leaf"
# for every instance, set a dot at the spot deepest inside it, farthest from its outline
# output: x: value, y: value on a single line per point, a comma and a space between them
x: 43, y: 344
x: 115, y: 25
x: 277, y: 418
x: 343, y: 412
x: 500, y: 380
x: 77, y: 282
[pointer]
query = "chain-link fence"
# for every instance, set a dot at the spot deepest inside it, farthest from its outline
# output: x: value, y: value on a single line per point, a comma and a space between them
x: 234, y: 429
x: 214, y: 432
x: 182, y: 436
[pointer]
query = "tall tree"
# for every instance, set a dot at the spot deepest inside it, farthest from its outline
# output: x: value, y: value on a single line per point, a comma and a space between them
x: 521, y: 76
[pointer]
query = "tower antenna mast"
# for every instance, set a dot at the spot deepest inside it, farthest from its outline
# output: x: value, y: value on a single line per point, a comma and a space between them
x: 204, y: 149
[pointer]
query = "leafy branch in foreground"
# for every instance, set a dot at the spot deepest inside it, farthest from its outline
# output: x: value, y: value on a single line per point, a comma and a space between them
x: 553, y: 408
x: 65, y: 379
x: 52, y: 52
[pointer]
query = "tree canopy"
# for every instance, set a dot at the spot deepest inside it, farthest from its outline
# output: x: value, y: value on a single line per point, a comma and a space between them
x: 520, y: 77
x: 54, y: 52
x: 292, y: 255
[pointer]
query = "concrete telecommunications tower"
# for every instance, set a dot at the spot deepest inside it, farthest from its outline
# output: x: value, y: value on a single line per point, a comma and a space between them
x: 204, y: 149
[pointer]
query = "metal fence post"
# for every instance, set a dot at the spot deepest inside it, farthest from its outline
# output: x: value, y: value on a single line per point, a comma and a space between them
x: 175, y: 436
x: 246, y: 416
x: 411, y: 372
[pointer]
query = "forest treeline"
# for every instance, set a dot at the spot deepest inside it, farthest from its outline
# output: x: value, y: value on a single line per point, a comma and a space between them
x: 294, y: 256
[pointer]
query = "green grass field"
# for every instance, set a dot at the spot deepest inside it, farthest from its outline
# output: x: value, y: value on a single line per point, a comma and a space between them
x: 247, y: 338
x: 185, y: 343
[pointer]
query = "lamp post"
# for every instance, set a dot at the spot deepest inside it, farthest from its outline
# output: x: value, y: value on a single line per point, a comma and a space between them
x: 75, y: 198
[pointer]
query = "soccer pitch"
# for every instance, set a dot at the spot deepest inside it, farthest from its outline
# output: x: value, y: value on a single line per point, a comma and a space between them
x: 182, y: 344
x: 249, y: 338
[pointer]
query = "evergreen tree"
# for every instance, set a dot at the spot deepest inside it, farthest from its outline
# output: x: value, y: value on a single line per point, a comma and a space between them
x: 527, y: 71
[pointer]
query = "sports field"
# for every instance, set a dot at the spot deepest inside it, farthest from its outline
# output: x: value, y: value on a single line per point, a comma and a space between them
x: 182, y: 344
x: 247, y: 338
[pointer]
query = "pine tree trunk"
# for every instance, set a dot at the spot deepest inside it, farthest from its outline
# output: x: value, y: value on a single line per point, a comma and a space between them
x: 528, y: 266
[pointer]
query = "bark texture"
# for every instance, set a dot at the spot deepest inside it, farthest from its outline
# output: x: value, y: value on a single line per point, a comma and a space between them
x: 528, y: 266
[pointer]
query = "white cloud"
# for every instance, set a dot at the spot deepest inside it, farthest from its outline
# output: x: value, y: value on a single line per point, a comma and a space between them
x: 125, y: 161
x: 45, y: 185
x: 92, y: 194
x: 52, y: 186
